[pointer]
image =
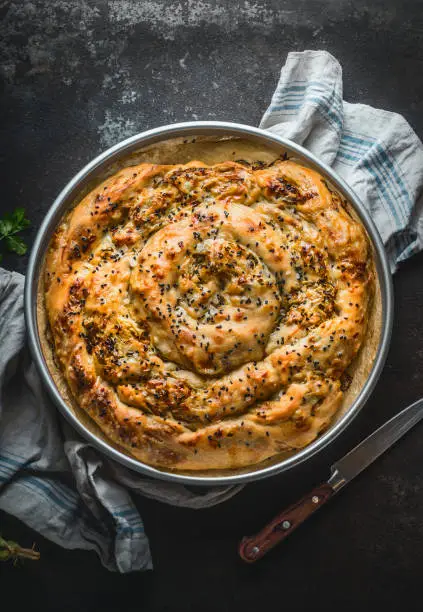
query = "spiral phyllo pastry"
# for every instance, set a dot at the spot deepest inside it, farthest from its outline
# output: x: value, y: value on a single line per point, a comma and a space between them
x: 205, y: 316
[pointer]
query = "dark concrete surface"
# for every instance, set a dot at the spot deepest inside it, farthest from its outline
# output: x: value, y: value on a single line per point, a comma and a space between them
x: 78, y: 76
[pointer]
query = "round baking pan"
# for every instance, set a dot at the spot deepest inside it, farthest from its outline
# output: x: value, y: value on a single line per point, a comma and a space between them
x: 371, y: 360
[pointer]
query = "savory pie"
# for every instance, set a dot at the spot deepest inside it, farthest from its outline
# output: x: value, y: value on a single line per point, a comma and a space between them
x: 204, y: 316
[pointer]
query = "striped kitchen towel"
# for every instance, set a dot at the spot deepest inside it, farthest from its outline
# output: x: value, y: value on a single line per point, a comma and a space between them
x: 375, y: 151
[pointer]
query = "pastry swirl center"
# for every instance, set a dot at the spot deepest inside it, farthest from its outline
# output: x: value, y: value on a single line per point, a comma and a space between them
x: 209, y: 291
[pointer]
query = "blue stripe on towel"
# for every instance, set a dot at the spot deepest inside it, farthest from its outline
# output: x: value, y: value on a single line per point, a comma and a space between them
x: 356, y: 150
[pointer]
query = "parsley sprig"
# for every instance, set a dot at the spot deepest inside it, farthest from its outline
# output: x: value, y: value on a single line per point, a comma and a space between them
x: 10, y: 225
x: 12, y: 551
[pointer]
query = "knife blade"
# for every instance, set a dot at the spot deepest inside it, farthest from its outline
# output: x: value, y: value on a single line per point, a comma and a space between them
x: 343, y: 471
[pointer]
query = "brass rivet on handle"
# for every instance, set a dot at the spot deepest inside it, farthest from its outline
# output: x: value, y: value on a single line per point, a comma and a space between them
x: 286, y: 524
x: 315, y: 499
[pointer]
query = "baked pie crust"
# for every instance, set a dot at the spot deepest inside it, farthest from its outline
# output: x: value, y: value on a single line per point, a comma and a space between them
x: 205, y: 316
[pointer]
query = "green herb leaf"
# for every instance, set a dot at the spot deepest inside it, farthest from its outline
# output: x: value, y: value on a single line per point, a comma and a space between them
x: 11, y: 224
x: 16, y: 245
x: 18, y: 215
x: 18, y: 218
x: 6, y: 227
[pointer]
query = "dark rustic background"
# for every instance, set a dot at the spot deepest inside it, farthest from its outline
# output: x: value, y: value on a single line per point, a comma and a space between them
x: 80, y: 75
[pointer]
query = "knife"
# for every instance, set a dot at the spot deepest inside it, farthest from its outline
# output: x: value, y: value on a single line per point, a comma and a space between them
x: 343, y: 471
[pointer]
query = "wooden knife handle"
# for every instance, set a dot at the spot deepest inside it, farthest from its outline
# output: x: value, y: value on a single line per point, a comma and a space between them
x: 255, y: 547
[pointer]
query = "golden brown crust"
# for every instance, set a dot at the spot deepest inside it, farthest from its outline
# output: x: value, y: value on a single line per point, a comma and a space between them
x: 204, y: 316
